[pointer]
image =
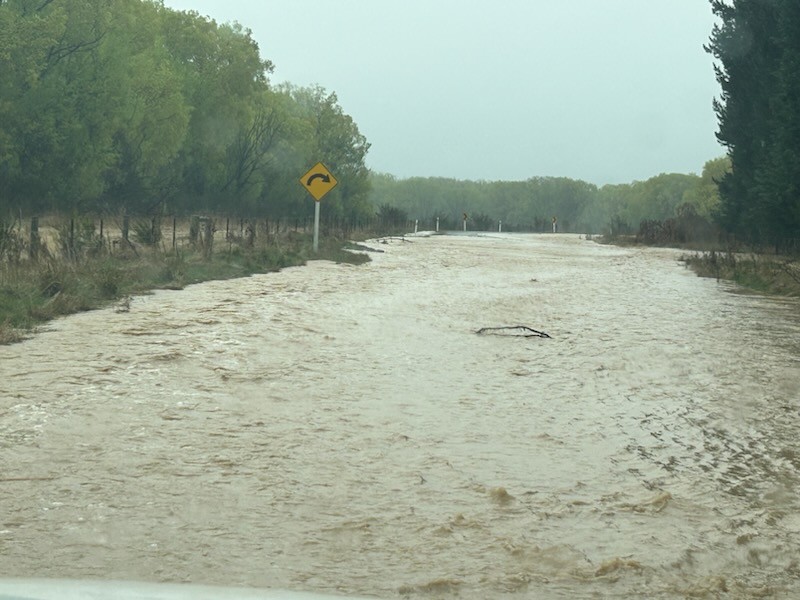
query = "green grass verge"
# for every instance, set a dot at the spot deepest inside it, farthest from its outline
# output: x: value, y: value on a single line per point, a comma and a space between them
x: 756, y: 272
x: 753, y: 271
x: 32, y: 293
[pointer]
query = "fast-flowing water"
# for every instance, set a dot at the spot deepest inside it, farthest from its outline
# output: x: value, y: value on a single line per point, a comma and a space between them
x: 343, y: 429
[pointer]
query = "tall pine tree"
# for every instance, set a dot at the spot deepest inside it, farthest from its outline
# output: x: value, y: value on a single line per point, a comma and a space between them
x: 757, y: 46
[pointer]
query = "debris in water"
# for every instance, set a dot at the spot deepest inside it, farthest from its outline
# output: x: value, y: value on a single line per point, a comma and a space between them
x: 513, y: 330
x: 615, y: 565
x: 654, y: 505
x: 355, y: 246
x: 124, y: 304
x: 501, y: 496
x: 437, y: 586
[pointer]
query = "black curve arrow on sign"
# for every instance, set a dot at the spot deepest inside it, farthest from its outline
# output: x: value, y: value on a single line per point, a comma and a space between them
x: 322, y: 176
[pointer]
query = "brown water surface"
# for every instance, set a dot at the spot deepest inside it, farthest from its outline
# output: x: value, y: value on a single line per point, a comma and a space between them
x: 343, y: 429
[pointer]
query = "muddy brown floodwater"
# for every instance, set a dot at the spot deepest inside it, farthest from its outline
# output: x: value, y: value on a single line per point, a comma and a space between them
x: 342, y: 429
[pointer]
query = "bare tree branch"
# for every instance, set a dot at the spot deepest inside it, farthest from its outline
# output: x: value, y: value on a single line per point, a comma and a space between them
x: 513, y: 330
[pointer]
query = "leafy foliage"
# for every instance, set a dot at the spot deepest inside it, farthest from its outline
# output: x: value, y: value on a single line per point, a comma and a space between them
x: 148, y: 232
x: 11, y: 243
x: 756, y: 46
x: 112, y: 105
x: 530, y: 205
x: 391, y: 217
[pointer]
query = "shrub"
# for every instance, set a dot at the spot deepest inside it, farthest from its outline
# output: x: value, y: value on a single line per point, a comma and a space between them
x: 79, y: 238
x: 11, y: 243
x: 481, y: 222
x: 109, y: 279
x: 391, y: 217
x: 148, y: 232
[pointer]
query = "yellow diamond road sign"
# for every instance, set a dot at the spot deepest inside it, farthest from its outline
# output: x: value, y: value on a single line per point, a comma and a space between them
x: 318, y: 181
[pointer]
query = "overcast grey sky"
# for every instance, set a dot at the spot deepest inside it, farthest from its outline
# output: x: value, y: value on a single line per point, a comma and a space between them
x: 609, y: 91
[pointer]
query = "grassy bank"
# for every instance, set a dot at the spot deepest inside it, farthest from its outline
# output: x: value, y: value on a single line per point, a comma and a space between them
x: 716, y: 254
x: 33, y: 292
x: 757, y: 272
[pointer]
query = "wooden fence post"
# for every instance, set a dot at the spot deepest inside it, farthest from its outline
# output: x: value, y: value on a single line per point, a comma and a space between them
x: 35, y: 241
x: 194, y: 230
x: 71, y: 249
x: 208, y: 237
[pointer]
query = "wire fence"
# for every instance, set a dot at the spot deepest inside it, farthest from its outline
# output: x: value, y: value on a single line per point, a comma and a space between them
x: 56, y: 236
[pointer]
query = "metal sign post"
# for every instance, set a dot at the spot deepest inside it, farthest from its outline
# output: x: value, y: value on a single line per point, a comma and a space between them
x: 318, y: 181
x: 316, y: 226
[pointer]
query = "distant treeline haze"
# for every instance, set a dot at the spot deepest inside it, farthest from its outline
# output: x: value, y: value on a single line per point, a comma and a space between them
x: 530, y: 205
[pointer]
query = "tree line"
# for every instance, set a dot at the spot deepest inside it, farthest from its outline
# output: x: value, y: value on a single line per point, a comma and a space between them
x: 126, y: 105
x: 530, y: 205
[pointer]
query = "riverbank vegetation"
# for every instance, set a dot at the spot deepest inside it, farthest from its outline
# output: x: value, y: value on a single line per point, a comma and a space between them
x: 757, y: 272
x: 97, y: 273
x: 127, y: 111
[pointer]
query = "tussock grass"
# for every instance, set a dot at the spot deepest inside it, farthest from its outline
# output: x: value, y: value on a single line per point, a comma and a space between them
x: 33, y: 292
x: 757, y: 272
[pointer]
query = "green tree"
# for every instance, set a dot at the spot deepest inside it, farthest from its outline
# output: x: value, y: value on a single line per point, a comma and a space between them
x: 127, y: 104
x: 224, y: 80
x: 151, y: 114
x: 332, y: 137
x: 757, y: 48
x: 256, y: 147
x: 53, y: 132
x: 779, y: 180
x: 705, y: 196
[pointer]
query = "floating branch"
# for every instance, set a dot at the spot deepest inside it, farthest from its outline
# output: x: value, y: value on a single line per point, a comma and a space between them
x: 387, y: 239
x: 513, y: 330
x: 362, y: 248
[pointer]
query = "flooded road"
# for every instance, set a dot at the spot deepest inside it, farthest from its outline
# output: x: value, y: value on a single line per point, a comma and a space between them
x: 342, y: 429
